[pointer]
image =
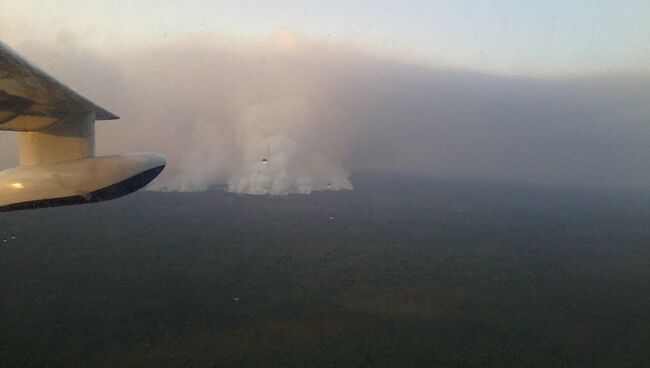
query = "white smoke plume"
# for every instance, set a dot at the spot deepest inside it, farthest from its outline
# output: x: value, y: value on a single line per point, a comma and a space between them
x: 275, y: 154
x: 246, y: 115
x: 289, y: 115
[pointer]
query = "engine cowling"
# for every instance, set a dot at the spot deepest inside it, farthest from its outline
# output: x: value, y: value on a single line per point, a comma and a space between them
x: 81, y: 181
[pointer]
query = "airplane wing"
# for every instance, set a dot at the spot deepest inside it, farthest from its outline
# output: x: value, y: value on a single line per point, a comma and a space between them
x: 31, y: 100
x: 56, y: 127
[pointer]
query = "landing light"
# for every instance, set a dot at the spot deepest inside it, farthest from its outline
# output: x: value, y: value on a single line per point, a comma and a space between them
x: 17, y: 185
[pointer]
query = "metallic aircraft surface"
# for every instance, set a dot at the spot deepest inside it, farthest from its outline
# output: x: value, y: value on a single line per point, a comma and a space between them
x: 56, y: 125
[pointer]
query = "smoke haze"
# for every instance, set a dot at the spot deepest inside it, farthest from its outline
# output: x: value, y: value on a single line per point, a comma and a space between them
x: 291, y: 116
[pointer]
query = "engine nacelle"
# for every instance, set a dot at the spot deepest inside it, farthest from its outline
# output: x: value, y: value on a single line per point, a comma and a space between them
x: 79, y: 181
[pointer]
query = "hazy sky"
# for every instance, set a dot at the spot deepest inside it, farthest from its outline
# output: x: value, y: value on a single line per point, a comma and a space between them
x: 508, y: 36
x: 295, y: 96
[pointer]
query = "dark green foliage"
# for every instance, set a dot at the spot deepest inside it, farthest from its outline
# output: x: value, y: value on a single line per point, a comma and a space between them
x: 406, y: 273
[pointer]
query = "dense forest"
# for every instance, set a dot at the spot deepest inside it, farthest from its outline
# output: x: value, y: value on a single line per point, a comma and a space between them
x: 400, y: 272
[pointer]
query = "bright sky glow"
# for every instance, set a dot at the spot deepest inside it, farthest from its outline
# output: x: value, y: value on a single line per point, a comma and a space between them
x: 508, y: 36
